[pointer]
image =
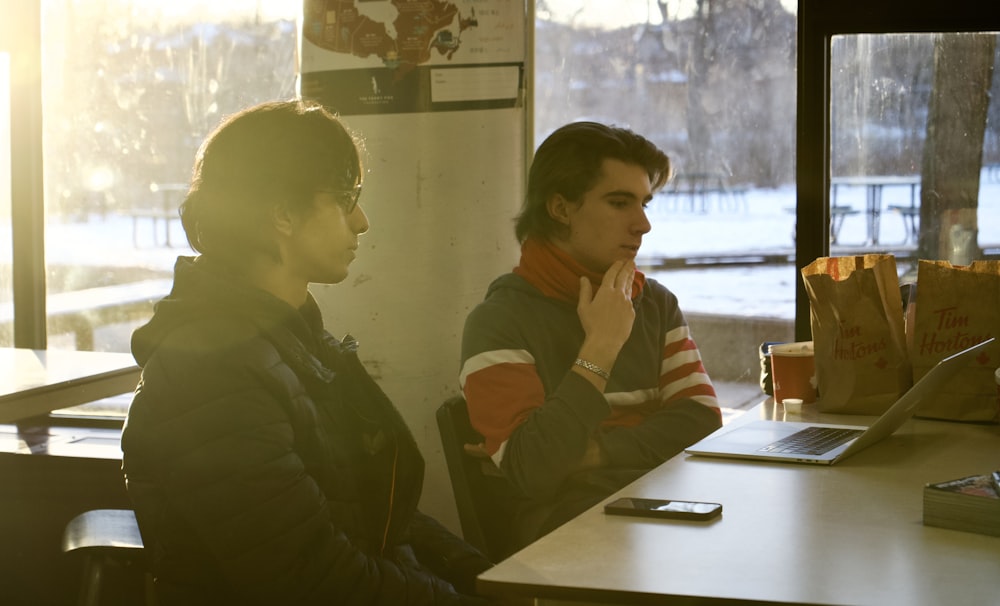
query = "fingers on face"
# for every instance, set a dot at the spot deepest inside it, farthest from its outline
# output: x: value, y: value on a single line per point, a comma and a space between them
x: 619, y: 277
x: 626, y: 272
x: 610, y: 278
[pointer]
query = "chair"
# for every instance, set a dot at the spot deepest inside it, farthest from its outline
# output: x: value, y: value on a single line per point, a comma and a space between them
x: 481, y: 492
x: 113, y: 558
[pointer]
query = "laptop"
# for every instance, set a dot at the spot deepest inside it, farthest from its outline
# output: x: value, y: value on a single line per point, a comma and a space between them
x: 827, y: 443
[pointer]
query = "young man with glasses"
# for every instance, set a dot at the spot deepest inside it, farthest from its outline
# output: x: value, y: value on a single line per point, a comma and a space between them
x: 264, y: 463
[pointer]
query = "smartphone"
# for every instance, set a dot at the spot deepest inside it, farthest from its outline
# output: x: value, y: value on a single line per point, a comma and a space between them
x: 661, y: 508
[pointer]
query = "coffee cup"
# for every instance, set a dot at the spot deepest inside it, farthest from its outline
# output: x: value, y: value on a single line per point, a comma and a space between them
x: 793, y: 371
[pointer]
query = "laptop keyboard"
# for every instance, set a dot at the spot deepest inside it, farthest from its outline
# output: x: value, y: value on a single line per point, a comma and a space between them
x: 812, y: 440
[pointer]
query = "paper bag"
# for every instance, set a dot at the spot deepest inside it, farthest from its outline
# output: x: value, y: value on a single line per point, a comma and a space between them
x: 856, y: 316
x: 956, y: 307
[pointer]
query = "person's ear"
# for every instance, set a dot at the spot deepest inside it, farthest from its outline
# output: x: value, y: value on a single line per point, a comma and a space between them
x: 558, y: 208
x: 282, y: 219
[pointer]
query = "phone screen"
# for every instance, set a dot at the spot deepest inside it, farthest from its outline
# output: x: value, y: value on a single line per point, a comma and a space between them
x: 663, y: 508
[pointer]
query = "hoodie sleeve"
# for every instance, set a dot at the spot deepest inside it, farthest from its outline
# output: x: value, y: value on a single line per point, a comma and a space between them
x: 689, y: 408
x: 538, y: 432
x: 538, y: 441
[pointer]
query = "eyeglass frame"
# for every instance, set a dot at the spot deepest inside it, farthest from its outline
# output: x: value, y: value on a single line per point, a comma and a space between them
x: 346, y: 198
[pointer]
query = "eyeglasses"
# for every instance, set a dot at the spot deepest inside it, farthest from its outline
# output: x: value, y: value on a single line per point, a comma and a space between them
x: 347, y: 198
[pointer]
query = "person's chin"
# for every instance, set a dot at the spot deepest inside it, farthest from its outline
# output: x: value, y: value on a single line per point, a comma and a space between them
x: 333, y: 277
x: 623, y: 256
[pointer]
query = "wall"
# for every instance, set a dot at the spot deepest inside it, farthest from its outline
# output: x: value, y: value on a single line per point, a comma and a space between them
x: 441, y: 230
x: 729, y: 345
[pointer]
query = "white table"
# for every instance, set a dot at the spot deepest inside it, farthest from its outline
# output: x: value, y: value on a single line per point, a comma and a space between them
x: 35, y: 382
x: 789, y: 533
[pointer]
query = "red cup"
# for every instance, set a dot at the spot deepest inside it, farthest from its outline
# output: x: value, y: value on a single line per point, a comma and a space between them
x: 793, y: 371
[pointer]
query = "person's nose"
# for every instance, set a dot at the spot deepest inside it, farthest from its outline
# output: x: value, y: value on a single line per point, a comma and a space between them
x: 642, y: 224
x: 359, y: 220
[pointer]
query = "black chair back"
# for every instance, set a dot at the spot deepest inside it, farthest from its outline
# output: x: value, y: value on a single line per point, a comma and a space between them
x: 485, y: 506
x: 114, y: 564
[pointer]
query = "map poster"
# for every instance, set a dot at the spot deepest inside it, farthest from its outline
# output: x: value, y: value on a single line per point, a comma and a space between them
x: 400, y: 56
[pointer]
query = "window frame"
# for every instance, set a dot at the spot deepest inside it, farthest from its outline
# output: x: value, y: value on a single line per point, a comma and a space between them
x: 818, y: 22
x: 21, y: 33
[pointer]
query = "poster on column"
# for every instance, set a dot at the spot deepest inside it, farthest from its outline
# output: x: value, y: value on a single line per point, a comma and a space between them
x: 403, y: 56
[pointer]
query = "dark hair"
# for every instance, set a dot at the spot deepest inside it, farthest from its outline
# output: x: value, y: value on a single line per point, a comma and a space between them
x: 279, y: 152
x: 569, y: 163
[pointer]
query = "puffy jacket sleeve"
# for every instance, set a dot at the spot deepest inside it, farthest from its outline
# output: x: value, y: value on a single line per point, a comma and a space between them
x: 211, y: 465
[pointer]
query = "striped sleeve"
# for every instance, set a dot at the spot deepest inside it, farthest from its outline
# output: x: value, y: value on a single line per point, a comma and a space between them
x: 502, y: 388
x: 682, y: 374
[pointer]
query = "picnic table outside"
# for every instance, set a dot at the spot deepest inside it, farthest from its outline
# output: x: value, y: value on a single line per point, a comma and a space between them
x: 698, y: 189
x: 837, y: 215
x: 165, y: 209
x: 874, y: 184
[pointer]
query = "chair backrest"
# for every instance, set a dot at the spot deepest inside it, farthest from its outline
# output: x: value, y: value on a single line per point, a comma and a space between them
x: 114, y: 530
x: 484, y: 507
x: 114, y: 565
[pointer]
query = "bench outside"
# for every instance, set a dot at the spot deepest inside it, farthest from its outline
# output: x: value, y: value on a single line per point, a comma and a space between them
x: 155, y: 216
x: 911, y: 221
x: 699, y: 188
x: 165, y: 209
x: 837, y: 216
x: 81, y: 311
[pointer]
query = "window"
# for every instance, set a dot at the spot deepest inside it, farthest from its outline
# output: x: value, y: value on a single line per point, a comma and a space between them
x: 891, y: 134
x: 713, y: 85
x: 759, y: 193
x: 882, y: 132
x: 130, y: 88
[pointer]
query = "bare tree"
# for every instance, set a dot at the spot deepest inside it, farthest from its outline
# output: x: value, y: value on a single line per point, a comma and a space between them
x: 953, y: 151
x: 701, y: 58
x: 662, y: 5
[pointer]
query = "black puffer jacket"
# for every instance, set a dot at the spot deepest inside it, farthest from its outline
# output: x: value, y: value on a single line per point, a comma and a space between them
x: 267, y: 467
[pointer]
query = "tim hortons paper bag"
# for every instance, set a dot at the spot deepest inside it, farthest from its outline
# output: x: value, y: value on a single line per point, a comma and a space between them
x: 955, y: 308
x: 856, y: 316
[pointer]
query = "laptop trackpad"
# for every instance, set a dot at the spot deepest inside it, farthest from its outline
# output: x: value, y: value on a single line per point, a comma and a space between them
x: 754, y: 436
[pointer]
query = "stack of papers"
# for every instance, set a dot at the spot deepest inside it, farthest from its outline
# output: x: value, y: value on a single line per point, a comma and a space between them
x: 971, y: 504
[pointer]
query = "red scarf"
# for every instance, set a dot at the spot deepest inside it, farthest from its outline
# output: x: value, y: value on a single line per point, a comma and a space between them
x: 553, y: 271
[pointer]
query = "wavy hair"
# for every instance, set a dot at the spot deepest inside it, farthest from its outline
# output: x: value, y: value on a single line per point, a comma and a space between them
x: 569, y: 162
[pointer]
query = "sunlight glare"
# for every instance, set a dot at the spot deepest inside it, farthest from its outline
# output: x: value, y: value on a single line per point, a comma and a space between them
x: 217, y: 10
x: 623, y: 13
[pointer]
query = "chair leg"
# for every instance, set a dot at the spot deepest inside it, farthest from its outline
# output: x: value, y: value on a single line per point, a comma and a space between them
x: 96, y: 571
x: 93, y: 575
